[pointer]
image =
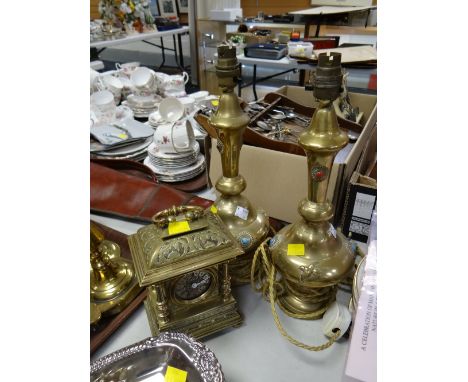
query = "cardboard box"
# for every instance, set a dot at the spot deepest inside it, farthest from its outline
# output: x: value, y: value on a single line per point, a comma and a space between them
x: 277, y: 181
x: 367, y: 165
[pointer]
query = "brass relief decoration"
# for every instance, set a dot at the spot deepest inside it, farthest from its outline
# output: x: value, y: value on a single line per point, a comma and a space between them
x: 309, y: 273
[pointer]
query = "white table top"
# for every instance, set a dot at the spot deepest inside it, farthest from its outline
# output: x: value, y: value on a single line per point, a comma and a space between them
x: 256, y: 351
x: 329, y: 10
x: 138, y: 37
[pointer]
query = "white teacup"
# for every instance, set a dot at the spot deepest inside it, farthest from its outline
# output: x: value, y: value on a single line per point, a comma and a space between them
x: 93, y: 76
x: 113, y: 84
x: 103, y: 104
x: 102, y: 98
x: 189, y: 103
x: 127, y: 68
x: 171, y: 109
x: 174, y: 137
x: 161, y: 79
x: 143, y: 79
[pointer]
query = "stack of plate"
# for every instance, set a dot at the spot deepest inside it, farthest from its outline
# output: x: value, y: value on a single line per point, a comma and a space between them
x: 142, y: 106
x: 135, y: 149
x: 175, y: 167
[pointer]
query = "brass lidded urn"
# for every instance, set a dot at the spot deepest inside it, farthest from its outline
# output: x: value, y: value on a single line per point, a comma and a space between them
x: 246, y: 223
x: 310, y: 254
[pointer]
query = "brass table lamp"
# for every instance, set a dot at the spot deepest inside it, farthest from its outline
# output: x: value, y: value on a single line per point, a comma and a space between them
x: 113, y: 282
x: 246, y: 223
x: 311, y: 256
x: 182, y: 259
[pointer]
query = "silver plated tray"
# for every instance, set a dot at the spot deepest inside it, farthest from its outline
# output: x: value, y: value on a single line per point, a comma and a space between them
x: 149, y: 360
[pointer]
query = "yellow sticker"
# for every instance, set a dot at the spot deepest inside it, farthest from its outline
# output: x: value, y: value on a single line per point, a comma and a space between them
x: 123, y: 136
x: 295, y: 249
x: 215, y: 102
x: 175, y: 375
x: 213, y: 209
x: 178, y: 227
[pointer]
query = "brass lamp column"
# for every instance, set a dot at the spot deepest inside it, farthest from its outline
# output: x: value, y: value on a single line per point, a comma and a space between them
x: 310, y: 254
x: 247, y: 224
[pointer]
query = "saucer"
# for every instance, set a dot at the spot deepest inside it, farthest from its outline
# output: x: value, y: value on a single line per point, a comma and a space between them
x: 176, y: 94
x: 143, y: 102
x: 154, y: 151
x: 155, y: 119
x: 177, y: 174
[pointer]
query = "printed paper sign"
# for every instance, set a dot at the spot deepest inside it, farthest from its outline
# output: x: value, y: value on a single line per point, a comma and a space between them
x: 332, y: 231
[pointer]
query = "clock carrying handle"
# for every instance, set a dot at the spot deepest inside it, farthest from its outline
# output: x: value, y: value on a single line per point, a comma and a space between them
x: 163, y: 218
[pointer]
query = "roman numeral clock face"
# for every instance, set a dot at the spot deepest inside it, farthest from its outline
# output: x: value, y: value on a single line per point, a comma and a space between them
x: 192, y: 285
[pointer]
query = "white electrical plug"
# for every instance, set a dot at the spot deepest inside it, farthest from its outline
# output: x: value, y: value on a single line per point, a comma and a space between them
x: 337, y: 316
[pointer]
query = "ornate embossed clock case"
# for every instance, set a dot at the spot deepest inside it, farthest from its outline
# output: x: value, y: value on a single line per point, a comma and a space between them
x: 247, y: 224
x: 310, y: 276
x: 183, y: 261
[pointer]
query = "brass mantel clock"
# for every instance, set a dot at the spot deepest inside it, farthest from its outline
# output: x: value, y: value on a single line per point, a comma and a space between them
x: 182, y: 258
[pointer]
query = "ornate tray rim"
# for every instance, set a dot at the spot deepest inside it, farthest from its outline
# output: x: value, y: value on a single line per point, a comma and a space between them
x: 203, y: 359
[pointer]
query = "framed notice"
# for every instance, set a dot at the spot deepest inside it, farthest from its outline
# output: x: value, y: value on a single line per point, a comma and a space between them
x: 183, y: 6
x: 167, y: 8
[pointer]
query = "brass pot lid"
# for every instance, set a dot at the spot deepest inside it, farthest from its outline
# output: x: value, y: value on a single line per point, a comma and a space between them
x: 161, y: 252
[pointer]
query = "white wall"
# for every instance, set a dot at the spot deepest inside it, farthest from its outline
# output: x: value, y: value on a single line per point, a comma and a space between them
x: 204, y: 6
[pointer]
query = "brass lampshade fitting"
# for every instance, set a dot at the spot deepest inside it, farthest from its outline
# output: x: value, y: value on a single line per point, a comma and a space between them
x: 112, y: 279
x: 246, y: 223
x: 310, y: 254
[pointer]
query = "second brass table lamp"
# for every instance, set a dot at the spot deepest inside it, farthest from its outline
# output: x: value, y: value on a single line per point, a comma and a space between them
x: 310, y: 255
x: 246, y: 223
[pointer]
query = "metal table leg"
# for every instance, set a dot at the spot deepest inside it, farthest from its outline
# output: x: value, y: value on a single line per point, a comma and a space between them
x: 163, y: 53
x: 254, y: 82
x: 239, y: 82
x: 181, y: 55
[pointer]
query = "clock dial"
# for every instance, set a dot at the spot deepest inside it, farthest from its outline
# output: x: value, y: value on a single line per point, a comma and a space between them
x: 192, y: 285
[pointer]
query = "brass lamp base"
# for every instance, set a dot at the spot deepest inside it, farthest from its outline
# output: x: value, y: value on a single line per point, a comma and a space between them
x: 117, y: 303
x: 239, y: 270
x: 199, y: 325
x: 113, y: 283
x: 310, y: 278
x: 249, y: 231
